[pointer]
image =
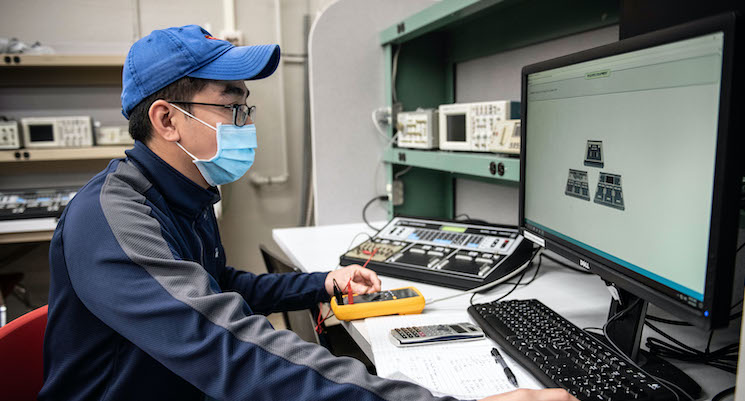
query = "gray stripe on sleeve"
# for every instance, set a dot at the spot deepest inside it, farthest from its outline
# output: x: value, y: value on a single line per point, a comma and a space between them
x: 139, y: 236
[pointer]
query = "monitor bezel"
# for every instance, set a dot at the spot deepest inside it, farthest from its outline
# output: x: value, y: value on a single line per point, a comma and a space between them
x: 727, y: 178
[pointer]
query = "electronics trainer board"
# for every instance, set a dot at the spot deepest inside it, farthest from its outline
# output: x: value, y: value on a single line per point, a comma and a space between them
x: 446, y: 253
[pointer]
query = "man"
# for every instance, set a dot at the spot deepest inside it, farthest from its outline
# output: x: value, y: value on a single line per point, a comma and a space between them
x: 142, y: 305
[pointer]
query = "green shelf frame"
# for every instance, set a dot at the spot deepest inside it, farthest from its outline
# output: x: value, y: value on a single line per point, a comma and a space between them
x: 484, y: 165
x: 429, y: 45
x: 435, y: 17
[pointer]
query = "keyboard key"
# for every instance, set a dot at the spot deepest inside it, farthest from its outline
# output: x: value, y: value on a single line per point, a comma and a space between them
x: 560, y: 354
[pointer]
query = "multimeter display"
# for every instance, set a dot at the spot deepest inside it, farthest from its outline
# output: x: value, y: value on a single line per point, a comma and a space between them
x: 398, y: 301
x: 383, y: 296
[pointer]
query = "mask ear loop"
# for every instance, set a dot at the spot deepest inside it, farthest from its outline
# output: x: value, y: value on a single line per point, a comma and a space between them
x: 194, y: 117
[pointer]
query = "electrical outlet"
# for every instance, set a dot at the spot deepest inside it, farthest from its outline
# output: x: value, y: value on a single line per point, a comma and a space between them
x: 397, y: 193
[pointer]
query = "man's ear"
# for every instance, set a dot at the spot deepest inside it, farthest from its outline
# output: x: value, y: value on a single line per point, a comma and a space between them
x: 163, y: 120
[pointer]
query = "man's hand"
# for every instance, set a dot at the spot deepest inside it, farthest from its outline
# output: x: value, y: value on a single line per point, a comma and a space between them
x: 550, y: 394
x: 363, y: 280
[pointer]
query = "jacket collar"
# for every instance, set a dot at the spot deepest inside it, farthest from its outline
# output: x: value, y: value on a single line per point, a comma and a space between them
x: 179, y: 192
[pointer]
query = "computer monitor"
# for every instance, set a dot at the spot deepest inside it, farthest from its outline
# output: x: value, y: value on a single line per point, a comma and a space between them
x: 629, y: 166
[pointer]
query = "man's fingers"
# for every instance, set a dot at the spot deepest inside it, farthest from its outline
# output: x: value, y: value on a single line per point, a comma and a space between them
x: 358, y: 288
x: 370, y: 277
x: 552, y: 394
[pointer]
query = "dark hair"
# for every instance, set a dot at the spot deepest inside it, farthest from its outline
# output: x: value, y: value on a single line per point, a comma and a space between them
x: 185, y: 88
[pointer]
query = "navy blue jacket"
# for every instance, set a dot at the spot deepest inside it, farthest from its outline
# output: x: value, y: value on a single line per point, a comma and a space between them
x: 143, y: 307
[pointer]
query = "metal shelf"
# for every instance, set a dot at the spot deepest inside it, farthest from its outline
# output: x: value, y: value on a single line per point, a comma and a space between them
x: 477, y: 28
x: 433, y: 18
x: 485, y: 165
x: 55, y: 70
x: 61, y: 60
x: 18, y: 238
x: 61, y: 154
x: 429, y: 45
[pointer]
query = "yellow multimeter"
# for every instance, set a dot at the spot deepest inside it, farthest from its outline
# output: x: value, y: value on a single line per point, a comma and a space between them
x: 402, y: 301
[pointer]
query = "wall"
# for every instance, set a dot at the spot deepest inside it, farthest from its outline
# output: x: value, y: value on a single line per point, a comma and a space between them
x: 346, y: 62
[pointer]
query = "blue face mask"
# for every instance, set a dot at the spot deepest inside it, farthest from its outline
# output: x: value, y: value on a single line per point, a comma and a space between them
x: 235, y: 152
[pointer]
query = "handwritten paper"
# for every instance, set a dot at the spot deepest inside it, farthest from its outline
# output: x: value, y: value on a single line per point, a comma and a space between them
x: 463, y: 370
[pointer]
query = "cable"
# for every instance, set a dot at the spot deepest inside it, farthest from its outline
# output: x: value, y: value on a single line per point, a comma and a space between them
x: 369, y: 237
x: 535, y: 274
x: 394, y: 72
x: 380, y: 159
x: 724, y: 358
x: 518, y: 283
x: 376, y: 123
x: 664, y: 383
x: 469, y: 220
x: 537, y: 269
x: 351, y: 244
x: 364, y: 209
x: 512, y: 289
x: 402, y: 172
x: 493, y: 283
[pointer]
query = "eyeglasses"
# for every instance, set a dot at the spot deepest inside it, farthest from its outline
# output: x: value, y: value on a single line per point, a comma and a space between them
x: 241, y: 112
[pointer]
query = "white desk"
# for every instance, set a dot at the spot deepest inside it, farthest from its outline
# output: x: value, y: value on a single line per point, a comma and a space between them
x: 581, y: 298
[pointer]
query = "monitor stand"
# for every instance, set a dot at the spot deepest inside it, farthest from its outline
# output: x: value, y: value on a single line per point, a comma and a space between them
x: 626, y: 333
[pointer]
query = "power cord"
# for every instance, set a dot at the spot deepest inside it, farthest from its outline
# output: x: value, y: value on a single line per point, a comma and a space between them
x: 493, y: 283
x: 402, y: 172
x: 351, y: 243
x: 724, y: 358
x: 394, y: 72
x: 518, y: 283
x: 376, y: 122
x: 664, y: 382
x: 370, y: 202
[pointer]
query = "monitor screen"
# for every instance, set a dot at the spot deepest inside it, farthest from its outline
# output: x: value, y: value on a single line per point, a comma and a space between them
x: 633, y: 184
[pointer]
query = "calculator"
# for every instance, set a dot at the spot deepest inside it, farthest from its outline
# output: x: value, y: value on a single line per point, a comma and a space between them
x: 420, y: 335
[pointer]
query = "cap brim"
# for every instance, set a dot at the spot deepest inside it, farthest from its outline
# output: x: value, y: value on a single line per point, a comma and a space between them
x: 241, y: 63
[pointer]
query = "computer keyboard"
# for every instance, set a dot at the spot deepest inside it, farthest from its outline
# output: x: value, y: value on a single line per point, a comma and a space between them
x: 560, y: 354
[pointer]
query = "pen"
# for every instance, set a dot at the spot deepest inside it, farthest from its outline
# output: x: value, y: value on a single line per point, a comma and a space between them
x: 507, y: 371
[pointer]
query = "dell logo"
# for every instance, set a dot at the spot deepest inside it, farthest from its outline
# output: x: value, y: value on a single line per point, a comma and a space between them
x: 584, y: 264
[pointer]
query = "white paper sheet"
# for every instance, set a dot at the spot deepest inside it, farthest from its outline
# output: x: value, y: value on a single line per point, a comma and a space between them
x: 463, y: 370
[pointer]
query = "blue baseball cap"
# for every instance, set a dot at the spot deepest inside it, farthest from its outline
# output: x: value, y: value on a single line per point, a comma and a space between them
x: 167, y: 55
